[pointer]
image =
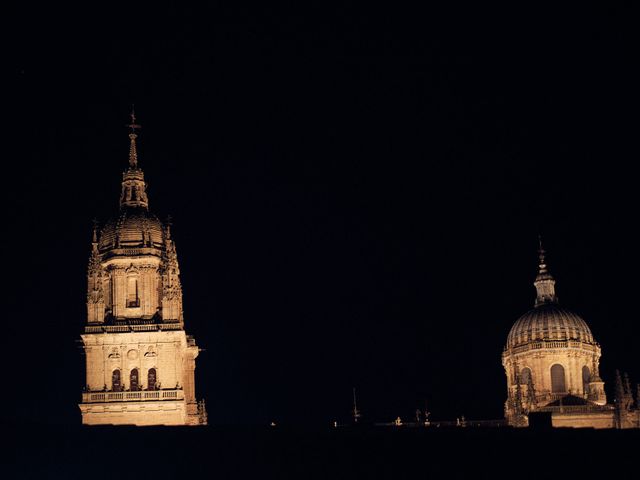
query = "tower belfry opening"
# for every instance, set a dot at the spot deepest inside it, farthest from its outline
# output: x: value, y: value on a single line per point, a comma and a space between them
x: 140, y: 362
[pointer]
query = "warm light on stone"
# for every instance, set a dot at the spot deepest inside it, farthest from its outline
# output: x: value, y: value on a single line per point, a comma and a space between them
x: 551, y: 361
x: 140, y: 362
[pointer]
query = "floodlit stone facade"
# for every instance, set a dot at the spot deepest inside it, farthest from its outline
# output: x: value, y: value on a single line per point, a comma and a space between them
x: 140, y: 363
x: 551, y: 361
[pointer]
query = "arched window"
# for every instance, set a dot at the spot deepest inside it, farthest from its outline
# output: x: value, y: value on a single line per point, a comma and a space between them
x: 557, y: 379
x: 134, y: 379
x: 133, y: 300
x: 116, y: 386
x: 151, y: 379
x: 586, y: 375
x: 525, y: 376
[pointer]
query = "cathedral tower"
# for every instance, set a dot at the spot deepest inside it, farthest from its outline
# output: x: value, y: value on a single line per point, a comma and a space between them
x: 551, y: 361
x: 140, y: 362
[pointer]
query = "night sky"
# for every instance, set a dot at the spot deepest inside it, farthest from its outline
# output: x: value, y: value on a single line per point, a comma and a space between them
x: 356, y: 195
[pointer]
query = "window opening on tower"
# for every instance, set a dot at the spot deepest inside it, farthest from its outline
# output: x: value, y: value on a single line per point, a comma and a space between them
x: 133, y: 300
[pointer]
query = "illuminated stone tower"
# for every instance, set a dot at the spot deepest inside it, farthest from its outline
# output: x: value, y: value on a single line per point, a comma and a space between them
x: 140, y: 362
x: 551, y: 361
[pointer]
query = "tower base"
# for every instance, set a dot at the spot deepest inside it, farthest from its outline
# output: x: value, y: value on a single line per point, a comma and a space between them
x: 140, y: 413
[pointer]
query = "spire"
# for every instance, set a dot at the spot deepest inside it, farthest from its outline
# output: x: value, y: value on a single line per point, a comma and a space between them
x: 517, y: 404
x: 94, y: 269
x: 133, y: 152
x: 619, y: 401
x: 133, y: 185
x: 595, y: 376
x: 627, y: 384
x: 170, y: 272
x: 531, y: 393
x: 541, y: 252
x: 545, y: 283
x: 167, y: 229
x: 94, y: 240
x: 95, y: 292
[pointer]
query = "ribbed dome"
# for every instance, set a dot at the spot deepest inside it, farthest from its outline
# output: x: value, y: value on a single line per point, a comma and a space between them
x: 135, y: 227
x: 549, y: 322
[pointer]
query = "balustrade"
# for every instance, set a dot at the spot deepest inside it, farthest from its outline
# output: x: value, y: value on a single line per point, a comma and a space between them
x: 541, y: 344
x: 132, y: 328
x: 133, y: 396
x: 576, y: 408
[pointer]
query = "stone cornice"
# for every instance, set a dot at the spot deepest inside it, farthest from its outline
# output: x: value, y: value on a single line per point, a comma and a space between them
x: 133, y: 252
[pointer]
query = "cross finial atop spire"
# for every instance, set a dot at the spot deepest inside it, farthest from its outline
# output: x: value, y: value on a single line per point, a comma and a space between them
x: 133, y: 153
x: 541, y: 256
x: 133, y: 125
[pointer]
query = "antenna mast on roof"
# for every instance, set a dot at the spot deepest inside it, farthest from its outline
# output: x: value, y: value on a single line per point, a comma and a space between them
x: 356, y: 412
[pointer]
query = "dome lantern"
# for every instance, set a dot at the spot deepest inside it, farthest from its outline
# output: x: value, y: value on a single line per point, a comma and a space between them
x: 545, y: 284
x: 134, y: 192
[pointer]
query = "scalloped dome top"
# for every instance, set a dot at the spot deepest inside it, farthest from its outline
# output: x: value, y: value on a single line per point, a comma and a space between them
x: 549, y: 322
x: 135, y: 227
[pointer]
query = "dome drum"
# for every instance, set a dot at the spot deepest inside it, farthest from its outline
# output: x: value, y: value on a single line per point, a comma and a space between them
x: 553, y: 374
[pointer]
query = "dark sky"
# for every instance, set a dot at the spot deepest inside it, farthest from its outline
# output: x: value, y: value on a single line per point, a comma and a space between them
x: 356, y: 194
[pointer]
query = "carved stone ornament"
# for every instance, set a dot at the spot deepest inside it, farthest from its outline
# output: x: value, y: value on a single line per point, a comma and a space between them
x: 132, y: 270
x: 151, y: 353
